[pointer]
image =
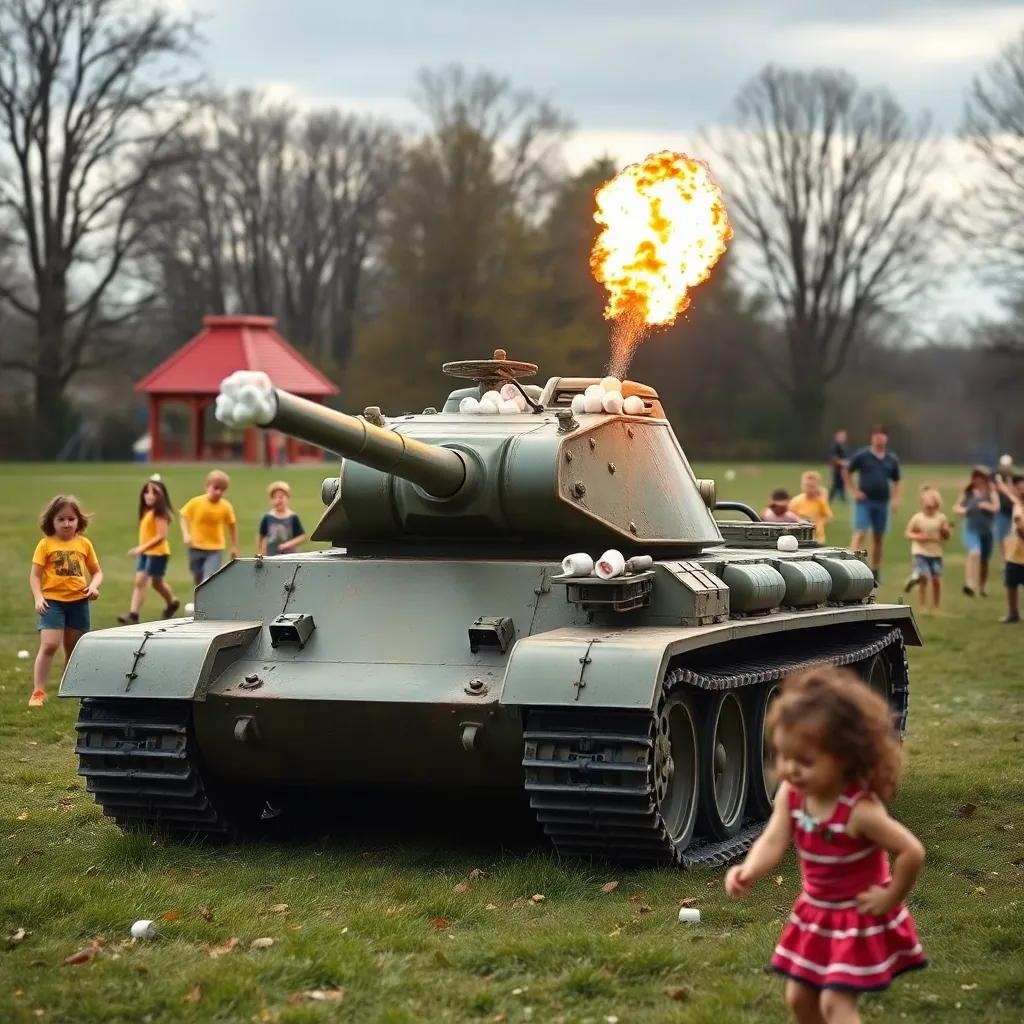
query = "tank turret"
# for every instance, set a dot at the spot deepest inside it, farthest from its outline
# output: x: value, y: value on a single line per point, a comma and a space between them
x: 530, y: 466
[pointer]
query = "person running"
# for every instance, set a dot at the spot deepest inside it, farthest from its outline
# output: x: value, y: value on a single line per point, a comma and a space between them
x: 60, y: 588
x: 280, y: 530
x: 837, y: 456
x: 978, y: 506
x: 1013, y: 551
x: 927, y: 530
x: 810, y: 504
x: 876, y: 468
x: 202, y: 520
x: 153, y: 551
x: 1003, y: 479
x: 777, y: 510
x: 849, y: 931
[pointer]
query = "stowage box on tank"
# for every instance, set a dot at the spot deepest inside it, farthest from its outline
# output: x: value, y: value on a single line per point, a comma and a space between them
x: 631, y: 708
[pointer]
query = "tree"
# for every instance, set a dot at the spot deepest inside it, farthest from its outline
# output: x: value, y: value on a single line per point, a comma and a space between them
x: 90, y: 95
x: 269, y: 212
x: 460, y: 261
x: 827, y: 188
x: 993, y: 218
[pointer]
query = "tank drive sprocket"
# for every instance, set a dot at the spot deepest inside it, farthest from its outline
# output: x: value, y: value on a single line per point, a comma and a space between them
x: 675, y: 786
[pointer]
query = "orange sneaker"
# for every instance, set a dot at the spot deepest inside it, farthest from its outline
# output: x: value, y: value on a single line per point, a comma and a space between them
x: 38, y: 699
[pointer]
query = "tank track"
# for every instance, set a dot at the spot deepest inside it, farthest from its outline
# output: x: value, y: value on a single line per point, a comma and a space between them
x: 601, y: 804
x: 138, y: 759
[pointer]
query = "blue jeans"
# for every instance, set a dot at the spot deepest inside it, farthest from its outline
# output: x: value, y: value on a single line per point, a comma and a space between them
x: 928, y: 565
x: 871, y: 515
x: 203, y: 564
x: 977, y: 543
x: 153, y: 565
x: 65, y: 615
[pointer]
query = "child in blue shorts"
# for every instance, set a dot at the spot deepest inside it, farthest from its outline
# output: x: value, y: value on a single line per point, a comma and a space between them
x: 153, y: 551
x: 927, y: 531
x: 61, y: 589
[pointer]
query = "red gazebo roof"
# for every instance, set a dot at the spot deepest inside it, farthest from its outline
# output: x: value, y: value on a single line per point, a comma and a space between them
x: 229, y: 343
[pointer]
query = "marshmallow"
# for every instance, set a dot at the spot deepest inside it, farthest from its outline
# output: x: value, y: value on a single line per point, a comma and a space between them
x: 470, y: 406
x: 689, y: 915
x: 580, y: 564
x: 143, y: 930
x: 579, y: 404
x: 593, y: 403
x: 787, y: 542
x: 493, y: 397
x: 612, y: 402
x: 510, y: 393
x: 611, y: 384
x: 595, y: 390
x: 246, y: 399
x: 509, y: 408
x: 487, y: 407
x: 189, y: 608
x: 610, y: 564
x: 633, y: 406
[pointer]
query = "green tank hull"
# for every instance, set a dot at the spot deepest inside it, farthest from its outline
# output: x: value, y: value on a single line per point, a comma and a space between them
x: 440, y: 646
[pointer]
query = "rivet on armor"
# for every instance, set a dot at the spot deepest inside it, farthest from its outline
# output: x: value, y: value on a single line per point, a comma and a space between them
x: 568, y: 456
x: 611, y: 467
x: 632, y: 527
x: 629, y: 431
x: 579, y: 488
x: 593, y: 443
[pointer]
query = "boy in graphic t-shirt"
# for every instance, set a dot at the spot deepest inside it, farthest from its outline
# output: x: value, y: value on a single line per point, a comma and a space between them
x: 203, y: 519
x: 281, y: 529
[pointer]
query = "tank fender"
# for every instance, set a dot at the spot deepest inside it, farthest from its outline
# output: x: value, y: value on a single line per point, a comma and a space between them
x: 176, y: 660
x: 595, y: 666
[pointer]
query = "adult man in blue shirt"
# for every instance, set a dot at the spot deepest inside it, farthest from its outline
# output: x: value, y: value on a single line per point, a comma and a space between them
x: 876, y: 467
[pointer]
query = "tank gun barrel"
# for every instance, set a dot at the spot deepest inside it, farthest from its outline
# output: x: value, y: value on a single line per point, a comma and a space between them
x: 249, y: 399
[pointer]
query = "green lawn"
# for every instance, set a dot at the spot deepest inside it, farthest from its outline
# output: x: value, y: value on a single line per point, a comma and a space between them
x: 360, y: 912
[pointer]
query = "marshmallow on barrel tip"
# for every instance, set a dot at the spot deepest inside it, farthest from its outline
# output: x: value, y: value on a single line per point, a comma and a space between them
x: 580, y: 564
x: 246, y: 399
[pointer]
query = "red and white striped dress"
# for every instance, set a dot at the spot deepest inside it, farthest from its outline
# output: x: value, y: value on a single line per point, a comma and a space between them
x: 828, y: 942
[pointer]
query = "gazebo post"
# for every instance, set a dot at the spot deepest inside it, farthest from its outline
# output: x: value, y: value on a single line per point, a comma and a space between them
x: 195, y: 405
x: 155, y: 448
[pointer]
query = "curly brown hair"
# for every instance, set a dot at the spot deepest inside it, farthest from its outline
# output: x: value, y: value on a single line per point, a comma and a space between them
x: 49, y: 514
x: 853, y: 724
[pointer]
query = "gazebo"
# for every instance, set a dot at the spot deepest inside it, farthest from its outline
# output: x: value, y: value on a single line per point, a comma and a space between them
x: 192, y: 376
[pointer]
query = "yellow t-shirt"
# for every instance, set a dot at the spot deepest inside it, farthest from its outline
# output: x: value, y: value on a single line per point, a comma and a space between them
x: 147, y: 532
x: 62, y: 562
x: 1013, y: 546
x: 206, y: 522
x: 930, y: 525
x: 814, y: 510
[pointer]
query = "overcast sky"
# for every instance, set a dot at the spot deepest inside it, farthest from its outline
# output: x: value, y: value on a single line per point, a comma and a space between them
x: 634, y: 76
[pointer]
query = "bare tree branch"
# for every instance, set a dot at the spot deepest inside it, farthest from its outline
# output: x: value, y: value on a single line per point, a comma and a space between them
x: 828, y: 184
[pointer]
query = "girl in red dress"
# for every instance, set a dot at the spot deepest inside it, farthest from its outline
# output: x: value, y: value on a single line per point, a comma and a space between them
x: 837, y: 761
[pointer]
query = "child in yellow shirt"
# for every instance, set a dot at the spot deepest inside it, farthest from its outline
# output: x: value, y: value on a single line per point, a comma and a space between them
x: 812, y: 505
x: 203, y: 519
x: 60, y: 588
x: 153, y: 551
x: 927, y: 531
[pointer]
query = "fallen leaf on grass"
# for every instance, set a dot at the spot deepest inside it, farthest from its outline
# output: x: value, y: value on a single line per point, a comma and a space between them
x: 538, y: 897
x: 21, y: 861
x: 15, y: 938
x: 980, y: 890
x: 223, y: 949
x: 778, y: 879
x: 645, y: 910
x: 83, y: 956
x: 170, y: 915
x: 490, y: 906
x: 617, y: 930
x: 22, y: 817
x: 462, y: 887
x: 64, y: 804
x: 279, y: 908
x: 678, y: 994
x: 966, y: 810
x: 634, y: 898
x: 609, y: 887
x: 439, y: 923
x: 265, y: 943
x: 323, y: 995
x: 195, y: 995
x: 688, y: 901
x: 394, y: 911
x: 205, y: 913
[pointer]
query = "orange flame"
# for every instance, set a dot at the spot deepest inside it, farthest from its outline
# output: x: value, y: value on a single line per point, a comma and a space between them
x: 665, y: 227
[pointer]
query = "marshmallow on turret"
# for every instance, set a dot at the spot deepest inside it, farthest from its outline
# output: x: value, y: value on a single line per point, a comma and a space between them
x: 510, y: 393
x: 579, y: 404
x: 611, y: 384
x: 493, y: 397
x: 469, y: 406
x: 633, y: 406
x: 487, y: 407
x: 509, y: 408
x: 246, y: 399
x: 610, y: 564
x: 612, y: 402
x: 580, y: 564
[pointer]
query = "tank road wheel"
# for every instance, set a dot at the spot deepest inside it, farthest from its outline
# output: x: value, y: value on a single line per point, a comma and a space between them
x: 761, y: 756
x: 676, y: 768
x: 140, y: 764
x: 723, y: 765
x: 886, y: 674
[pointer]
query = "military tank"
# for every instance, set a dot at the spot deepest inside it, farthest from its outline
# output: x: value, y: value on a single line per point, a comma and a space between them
x: 522, y: 593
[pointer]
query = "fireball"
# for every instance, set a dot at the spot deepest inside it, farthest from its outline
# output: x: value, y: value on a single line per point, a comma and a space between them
x: 665, y: 227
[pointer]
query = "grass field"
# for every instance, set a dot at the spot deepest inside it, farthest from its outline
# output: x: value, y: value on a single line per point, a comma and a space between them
x: 357, y: 912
